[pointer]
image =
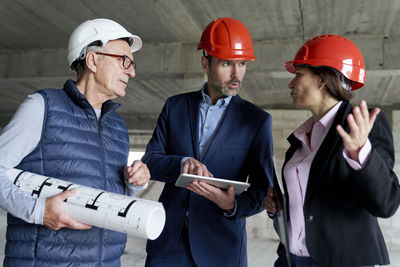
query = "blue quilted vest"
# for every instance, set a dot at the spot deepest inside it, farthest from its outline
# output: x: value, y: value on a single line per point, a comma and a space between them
x: 74, y: 146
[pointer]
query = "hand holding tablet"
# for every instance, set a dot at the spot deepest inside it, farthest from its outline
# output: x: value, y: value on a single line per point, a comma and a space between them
x: 185, y: 179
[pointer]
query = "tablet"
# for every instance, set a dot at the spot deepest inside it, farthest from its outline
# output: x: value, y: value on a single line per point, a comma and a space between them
x: 185, y: 179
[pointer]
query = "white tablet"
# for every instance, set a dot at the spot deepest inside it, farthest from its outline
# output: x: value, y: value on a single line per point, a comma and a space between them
x: 185, y: 179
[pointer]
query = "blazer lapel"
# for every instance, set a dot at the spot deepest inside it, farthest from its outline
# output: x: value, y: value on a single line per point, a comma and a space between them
x: 328, y: 148
x: 228, y: 121
x: 294, y: 145
x: 193, y: 110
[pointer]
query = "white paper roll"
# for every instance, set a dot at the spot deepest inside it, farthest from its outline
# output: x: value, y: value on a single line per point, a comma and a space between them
x: 131, y: 215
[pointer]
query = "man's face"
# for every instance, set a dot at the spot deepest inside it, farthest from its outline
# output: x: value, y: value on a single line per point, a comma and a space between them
x: 111, y: 76
x: 225, y: 76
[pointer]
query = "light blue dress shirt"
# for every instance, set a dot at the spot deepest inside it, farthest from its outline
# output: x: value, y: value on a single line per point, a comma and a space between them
x: 210, y: 118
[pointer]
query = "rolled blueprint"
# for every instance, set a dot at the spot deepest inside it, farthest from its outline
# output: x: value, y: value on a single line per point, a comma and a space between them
x: 131, y: 215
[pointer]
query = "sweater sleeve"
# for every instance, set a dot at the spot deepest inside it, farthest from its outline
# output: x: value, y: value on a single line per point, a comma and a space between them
x: 17, y: 139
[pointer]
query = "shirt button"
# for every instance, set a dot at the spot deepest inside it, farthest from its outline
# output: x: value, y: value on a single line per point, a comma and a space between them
x: 206, y: 127
x: 309, y: 218
x: 211, y: 109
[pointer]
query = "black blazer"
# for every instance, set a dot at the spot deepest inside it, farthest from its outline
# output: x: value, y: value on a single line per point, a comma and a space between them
x: 341, y: 205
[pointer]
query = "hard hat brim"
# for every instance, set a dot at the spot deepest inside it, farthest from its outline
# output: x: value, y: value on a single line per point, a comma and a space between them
x: 357, y: 84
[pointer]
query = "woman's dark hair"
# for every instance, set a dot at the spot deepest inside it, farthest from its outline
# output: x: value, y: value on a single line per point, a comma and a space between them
x: 332, y: 82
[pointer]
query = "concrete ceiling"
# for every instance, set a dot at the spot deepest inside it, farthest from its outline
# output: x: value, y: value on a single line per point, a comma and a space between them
x: 34, y: 37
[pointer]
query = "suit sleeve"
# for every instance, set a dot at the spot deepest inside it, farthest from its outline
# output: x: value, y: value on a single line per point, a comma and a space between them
x: 261, y: 171
x: 378, y: 184
x: 163, y: 167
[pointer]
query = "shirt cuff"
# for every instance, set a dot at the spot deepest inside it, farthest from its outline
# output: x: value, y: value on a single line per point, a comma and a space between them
x: 132, y: 190
x: 363, y: 157
x: 232, y: 212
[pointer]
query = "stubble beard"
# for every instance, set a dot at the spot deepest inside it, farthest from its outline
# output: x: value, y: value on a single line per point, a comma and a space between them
x: 224, y: 89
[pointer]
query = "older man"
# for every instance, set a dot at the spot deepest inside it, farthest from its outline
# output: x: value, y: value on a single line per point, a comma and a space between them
x: 73, y: 134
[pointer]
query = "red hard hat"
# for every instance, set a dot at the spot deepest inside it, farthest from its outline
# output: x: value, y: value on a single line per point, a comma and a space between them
x: 227, y: 39
x: 332, y: 51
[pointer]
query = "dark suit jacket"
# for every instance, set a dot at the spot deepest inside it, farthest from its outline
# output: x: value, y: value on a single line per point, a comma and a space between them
x: 341, y: 205
x: 241, y: 148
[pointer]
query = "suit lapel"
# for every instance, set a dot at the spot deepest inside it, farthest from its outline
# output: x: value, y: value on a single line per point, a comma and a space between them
x: 193, y: 110
x: 228, y: 121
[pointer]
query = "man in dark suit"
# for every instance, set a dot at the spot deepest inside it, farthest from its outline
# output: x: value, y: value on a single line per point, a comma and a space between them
x: 211, y: 132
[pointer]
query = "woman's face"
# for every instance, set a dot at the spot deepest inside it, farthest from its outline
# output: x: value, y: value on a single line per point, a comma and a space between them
x: 306, y: 89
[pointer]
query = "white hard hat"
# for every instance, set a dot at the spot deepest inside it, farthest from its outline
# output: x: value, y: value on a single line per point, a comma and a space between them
x: 103, y: 30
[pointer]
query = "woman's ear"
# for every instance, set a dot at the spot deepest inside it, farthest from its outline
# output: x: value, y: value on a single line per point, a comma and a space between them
x: 321, y: 83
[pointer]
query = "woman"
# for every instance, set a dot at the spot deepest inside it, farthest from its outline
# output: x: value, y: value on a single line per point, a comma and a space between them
x: 338, y: 172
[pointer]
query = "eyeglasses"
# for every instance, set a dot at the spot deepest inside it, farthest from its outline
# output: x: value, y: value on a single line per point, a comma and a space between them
x: 126, y: 61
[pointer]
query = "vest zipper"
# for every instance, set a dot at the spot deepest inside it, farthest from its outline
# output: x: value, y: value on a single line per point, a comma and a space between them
x: 105, y: 188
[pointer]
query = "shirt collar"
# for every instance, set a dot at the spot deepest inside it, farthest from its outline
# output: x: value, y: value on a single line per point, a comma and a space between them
x: 221, y: 103
x: 328, y: 118
x: 326, y: 121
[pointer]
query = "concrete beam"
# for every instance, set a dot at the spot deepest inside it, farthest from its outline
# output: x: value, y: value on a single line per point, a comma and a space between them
x: 140, y: 123
x: 5, y: 119
x: 379, y: 53
x: 140, y: 128
x: 173, y: 14
x: 34, y: 63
